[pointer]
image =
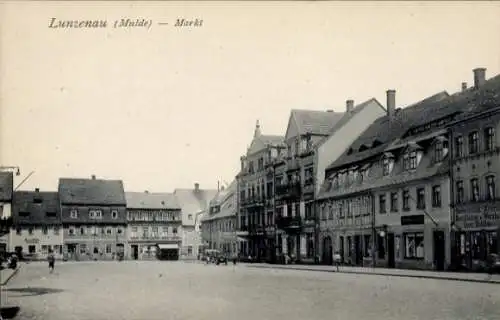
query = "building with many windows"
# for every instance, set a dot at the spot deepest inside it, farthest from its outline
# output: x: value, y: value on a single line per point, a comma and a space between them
x: 219, y: 225
x: 255, y: 189
x: 93, y: 215
x: 36, y: 225
x: 475, y: 149
x: 193, y: 203
x: 314, y: 139
x: 154, y: 222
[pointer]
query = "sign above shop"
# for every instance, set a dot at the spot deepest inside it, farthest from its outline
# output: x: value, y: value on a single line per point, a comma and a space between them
x: 32, y: 240
x: 412, y: 220
x: 486, y: 217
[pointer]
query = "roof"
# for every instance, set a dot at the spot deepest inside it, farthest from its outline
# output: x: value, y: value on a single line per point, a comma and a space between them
x: 315, y: 121
x: 227, y: 204
x: 24, y: 201
x: 348, y: 116
x: 91, y: 192
x: 6, y: 186
x: 382, y: 132
x: 260, y: 142
x: 224, y: 194
x: 147, y: 200
x: 193, y: 201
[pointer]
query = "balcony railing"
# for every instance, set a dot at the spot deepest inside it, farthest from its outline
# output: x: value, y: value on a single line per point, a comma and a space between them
x: 291, y: 190
x: 288, y: 223
x: 255, y: 201
x: 152, y: 238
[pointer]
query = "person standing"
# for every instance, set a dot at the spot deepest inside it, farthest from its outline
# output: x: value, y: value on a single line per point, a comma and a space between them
x: 52, y: 260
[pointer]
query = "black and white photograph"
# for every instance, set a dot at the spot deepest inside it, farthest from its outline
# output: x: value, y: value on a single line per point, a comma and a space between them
x: 253, y: 160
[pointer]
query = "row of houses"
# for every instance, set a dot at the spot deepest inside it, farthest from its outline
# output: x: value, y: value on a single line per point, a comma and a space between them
x: 407, y: 187
x: 96, y: 219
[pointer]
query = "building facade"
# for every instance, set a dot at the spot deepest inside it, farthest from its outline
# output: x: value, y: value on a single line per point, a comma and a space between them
x: 6, y: 192
x: 475, y: 149
x: 219, y: 225
x: 37, y: 227
x: 389, y: 190
x: 193, y: 203
x: 154, y: 221
x: 255, y: 190
x: 93, y: 215
x: 314, y: 139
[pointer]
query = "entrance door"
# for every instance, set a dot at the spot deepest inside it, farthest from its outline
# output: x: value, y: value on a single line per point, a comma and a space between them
x: 341, y: 248
x: 357, y: 250
x: 327, y: 251
x: 391, y: 263
x: 135, y: 251
x: 439, y: 249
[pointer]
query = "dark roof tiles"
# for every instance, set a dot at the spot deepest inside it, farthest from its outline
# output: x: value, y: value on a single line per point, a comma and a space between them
x: 6, y: 186
x: 91, y: 192
x: 36, y: 208
x: 315, y: 122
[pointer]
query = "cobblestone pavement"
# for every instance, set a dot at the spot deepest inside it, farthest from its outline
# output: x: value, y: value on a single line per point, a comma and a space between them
x: 155, y: 290
x: 457, y: 276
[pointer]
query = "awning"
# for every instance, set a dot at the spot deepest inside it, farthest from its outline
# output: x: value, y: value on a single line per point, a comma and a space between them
x: 168, y: 246
x: 240, y: 239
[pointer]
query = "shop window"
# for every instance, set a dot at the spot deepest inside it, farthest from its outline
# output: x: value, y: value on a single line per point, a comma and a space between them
x: 397, y: 247
x: 45, y: 249
x: 83, y: 248
x: 381, y: 246
x: 108, y: 248
x: 367, y: 245
x: 190, y: 250
x: 414, y: 245
x: 31, y: 249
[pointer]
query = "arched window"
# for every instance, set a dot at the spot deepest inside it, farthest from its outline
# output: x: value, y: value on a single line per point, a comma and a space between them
x: 490, y: 187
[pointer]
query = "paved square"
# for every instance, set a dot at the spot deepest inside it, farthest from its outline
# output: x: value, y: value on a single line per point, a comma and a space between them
x: 177, y: 290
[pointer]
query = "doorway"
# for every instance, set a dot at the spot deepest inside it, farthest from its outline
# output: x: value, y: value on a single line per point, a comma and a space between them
x: 327, y: 251
x: 439, y: 250
x: 135, y: 251
x: 358, y: 250
x: 391, y: 263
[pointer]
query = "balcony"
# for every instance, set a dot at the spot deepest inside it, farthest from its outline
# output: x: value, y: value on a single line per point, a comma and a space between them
x: 155, y: 238
x: 255, y: 202
x: 269, y: 203
x: 290, y: 190
x: 289, y: 223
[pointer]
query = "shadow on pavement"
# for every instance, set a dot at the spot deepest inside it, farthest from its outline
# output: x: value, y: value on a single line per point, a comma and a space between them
x: 30, y: 291
x: 9, y: 312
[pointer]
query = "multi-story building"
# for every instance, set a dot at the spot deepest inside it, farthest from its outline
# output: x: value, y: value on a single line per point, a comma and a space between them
x: 387, y: 196
x: 255, y: 189
x: 475, y: 149
x: 93, y: 214
x: 154, y: 221
x: 36, y: 228
x: 193, y: 204
x: 6, y: 189
x: 314, y: 139
x: 219, y: 225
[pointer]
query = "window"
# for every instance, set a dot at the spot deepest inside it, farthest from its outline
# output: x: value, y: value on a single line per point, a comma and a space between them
x: 56, y: 230
x: 489, y: 139
x: 119, y: 231
x: 436, y: 196
x: 459, y: 147
x: 414, y: 245
x: 406, y: 200
x: 460, y: 192
x: 45, y: 230
x: 82, y: 231
x: 386, y: 166
x: 83, y: 248
x: 174, y: 230
x: 474, y: 189
x: 410, y: 160
x: 394, y: 202
x: 438, y: 151
x: 19, y: 231
x: 190, y: 250
x: 473, y: 142
x: 421, y: 198
x: 108, y: 248
x: 381, y: 201
x: 73, y: 214
x: 30, y: 231
x: 71, y: 231
x: 490, y: 188
x: 32, y: 249
x: 397, y: 247
x: 114, y: 214
x: 190, y: 217
x: 108, y: 231
x: 95, y: 214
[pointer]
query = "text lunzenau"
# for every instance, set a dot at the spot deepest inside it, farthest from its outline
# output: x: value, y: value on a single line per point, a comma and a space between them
x: 69, y: 24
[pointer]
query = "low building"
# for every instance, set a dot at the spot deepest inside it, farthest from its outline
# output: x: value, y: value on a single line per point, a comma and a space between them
x: 219, y: 225
x: 37, y: 227
x: 154, y: 221
x: 194, y: 203
x: 93, y: 214
x: 6, y: 190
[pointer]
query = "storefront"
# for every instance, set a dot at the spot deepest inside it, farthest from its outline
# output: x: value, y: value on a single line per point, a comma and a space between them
x: 476, y: 235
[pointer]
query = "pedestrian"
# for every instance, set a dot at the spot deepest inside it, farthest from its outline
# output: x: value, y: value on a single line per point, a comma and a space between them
x: 336, y: 260
x: 490, y: 264
x: 52, y: 260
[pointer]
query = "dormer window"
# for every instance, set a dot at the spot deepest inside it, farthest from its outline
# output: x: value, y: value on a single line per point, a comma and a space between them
x: 440, y: 149
x: 387, y: 164
x: 73, y: 214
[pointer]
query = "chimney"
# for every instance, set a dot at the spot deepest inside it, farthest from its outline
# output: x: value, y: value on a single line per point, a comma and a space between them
x: 146, y: 191
x: 329, y: 110
x: 479, y: 77
x: 93, y: 177
x: 391, y: 103
x: 349, y: 105
x: 37, y: 190
x: 464, y: 86
x: 196, y: 187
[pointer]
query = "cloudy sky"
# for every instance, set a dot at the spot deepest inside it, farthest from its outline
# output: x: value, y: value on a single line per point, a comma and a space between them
x: 165, y: 107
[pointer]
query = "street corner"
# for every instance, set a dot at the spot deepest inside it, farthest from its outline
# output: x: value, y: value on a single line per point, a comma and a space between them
x: 7, y: 274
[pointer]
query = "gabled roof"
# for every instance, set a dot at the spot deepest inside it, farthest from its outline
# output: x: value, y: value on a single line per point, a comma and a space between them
x: 24, y: 201
x: 227, y: 204
x: 147, y: 200
x: 315, y: 122
x: 193, y: 201
x: 348, y: 116
x: 382, y: 132
x: 260, y: 142
x: 223, y: 194
x: 6, y: 186
x: 91, y: 192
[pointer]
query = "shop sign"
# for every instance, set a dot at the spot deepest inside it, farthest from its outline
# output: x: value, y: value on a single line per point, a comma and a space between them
x: 487, y: 217
x: 412, y: 220
x: 32, y: 240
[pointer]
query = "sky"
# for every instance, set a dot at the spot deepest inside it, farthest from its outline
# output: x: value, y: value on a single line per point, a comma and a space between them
x: 166, y: 107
